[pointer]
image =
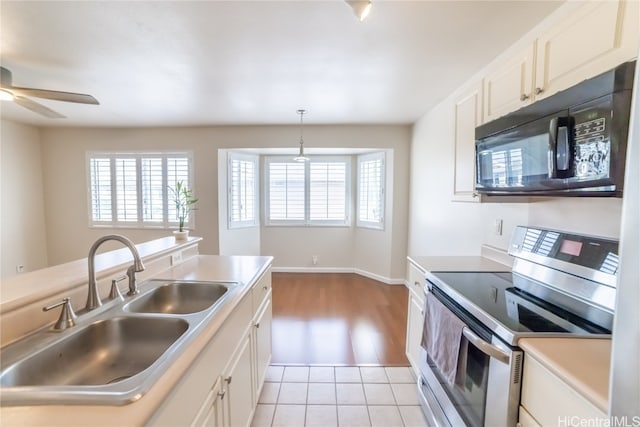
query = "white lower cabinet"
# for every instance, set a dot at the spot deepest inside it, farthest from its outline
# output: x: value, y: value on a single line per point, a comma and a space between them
x: 414, y: 330
x: 548, y: 401
x: 262, y: 343
x: 211, y: 412
x: 221, y: 386
x: 238, y: 398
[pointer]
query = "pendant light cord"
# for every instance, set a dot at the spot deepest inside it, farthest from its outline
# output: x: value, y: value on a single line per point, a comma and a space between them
x: 301, y: 112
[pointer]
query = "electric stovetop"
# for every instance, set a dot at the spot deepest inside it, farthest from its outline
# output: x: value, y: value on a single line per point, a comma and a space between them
x: 508, y: 311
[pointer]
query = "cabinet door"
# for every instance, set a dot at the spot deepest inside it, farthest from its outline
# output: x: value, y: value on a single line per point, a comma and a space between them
x: 467, y: 115
x: 262, y: 341
x: 238, y: 386
x: 549, y: 399
x: 211, y: 412
x: 595, y: 38
x: 510, y: 85
x: 525, y: 419
x: 414, y: 330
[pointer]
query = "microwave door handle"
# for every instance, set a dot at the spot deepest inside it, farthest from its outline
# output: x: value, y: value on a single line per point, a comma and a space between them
x: 488, y: 349
x: 559, y: 147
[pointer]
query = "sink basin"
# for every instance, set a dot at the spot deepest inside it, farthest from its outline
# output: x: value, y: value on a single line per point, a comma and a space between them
x: 104, y: 352
x: 178, y: 298
x: 115, y: 354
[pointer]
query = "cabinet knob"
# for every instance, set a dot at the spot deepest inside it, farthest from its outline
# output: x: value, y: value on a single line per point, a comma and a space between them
x: 539, y: 90
x: 257, y: 325
x: 524, y: 97
x: 221, y: 394
x: 228, y: 379
x: 416, y: 283
x: 265, y: 287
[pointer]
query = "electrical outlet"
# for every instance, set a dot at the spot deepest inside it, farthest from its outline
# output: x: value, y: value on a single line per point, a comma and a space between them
x: 314, y: 259
x: 176, y: 258
x: 497, y: 227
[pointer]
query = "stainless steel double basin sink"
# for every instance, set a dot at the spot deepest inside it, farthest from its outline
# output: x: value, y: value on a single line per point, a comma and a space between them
x: 115, y: 353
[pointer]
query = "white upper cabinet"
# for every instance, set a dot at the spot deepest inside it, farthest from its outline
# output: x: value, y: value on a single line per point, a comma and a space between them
x: 509, y: 85
x: 467, y: 115
x: 591, y: 38
x: 594, y: 39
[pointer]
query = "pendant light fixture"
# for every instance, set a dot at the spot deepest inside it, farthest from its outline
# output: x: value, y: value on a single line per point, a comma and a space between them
x: 301, y: 157
x: 360, y: 8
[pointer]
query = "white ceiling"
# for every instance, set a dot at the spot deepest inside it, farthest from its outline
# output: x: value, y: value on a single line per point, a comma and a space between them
x: 184, y: 63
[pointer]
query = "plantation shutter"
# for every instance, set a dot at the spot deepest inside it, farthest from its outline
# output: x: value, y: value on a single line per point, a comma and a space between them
x: 131, y: 189
x: 100, y: 184
x: 126, y: 190
x: 327, y: 191
x: 286, y: 191
x: 371, y: 190
x: 177, y: 171
x: 242, y: 182
x: 153, y: 189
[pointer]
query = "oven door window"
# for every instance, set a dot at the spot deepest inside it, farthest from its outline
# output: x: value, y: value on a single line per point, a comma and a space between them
x: 469, y: 392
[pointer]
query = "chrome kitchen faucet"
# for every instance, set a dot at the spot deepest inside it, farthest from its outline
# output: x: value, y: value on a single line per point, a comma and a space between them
x: 93, y: 298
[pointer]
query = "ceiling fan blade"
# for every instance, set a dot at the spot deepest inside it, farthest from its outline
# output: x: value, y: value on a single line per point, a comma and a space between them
x: 37, y: 108
x: 79, y: 98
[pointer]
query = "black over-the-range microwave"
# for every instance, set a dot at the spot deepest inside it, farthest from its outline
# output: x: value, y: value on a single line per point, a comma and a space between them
x: 572, y: 143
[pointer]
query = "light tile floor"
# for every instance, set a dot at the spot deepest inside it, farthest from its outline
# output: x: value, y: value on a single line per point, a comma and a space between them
x: 327, y: 396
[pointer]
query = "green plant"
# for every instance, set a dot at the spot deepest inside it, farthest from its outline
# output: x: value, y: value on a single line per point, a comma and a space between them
x: 184, y: 201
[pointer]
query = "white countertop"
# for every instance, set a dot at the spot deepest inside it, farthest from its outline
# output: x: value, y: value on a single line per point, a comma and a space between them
x: 246, y: 269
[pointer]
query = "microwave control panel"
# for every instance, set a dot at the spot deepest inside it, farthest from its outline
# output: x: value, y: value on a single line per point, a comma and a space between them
x: 592, y: 145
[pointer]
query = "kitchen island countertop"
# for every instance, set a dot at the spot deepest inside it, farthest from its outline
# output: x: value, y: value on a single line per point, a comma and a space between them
x: 245, y: 269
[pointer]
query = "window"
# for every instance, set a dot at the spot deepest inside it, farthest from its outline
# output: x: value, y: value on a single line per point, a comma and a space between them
x: 307, y: 193
x: 131, y: 189
x: 371, y: 177
x: 243, y: 190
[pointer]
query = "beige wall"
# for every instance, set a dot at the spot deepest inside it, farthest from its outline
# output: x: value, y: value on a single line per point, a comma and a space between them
x: 22, y: 213
x: 438, y: 226
x: 65, y: 192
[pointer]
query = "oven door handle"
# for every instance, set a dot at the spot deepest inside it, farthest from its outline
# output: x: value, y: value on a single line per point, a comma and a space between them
x: 488, y: 349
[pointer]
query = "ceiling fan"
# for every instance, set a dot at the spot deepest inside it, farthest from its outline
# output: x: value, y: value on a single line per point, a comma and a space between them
x: 19, y: 96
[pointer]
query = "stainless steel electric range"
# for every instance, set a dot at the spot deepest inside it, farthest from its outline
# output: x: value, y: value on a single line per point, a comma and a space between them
x: 561, y: 284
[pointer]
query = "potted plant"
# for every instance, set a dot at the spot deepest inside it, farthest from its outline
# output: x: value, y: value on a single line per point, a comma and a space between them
x: 185, y: 202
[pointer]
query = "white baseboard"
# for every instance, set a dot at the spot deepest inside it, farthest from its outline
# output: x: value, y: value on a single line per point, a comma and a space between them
x: 379, y: 278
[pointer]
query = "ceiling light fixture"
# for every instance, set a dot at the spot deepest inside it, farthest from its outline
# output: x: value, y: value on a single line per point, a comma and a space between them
x: 301, y: 157
x: 360, y: 8
x: 5, y: 95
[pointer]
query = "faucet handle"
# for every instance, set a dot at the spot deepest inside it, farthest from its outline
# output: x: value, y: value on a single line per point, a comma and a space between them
x: 67, y: 317
x: 115, y: 292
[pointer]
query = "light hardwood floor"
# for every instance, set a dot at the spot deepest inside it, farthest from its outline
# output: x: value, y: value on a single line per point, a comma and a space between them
x: 338, y: 319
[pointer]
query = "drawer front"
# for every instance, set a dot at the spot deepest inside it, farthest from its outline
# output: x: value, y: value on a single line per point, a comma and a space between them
x: 260, y: 290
